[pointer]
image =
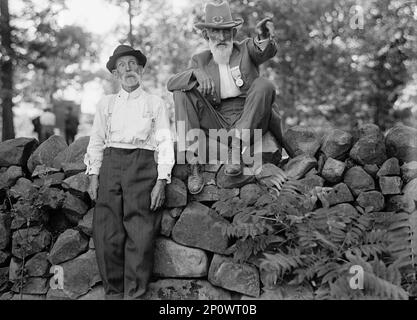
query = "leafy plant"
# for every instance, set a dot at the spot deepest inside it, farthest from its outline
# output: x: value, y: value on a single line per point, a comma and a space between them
x: 295, y: 244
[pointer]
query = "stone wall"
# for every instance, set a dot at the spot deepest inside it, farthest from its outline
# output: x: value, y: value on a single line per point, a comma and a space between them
x: 46, y: 218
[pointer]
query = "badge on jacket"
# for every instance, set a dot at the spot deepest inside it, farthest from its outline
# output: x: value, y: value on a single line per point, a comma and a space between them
x: 237, y: 76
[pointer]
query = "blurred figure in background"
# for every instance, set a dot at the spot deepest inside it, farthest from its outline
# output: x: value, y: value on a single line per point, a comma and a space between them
x: 71, y: 125
x: 47, y: 121
x: 37, y: 126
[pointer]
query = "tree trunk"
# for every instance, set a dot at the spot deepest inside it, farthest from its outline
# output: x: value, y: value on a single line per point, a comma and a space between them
x: 6, y: 72
x: 130, y: 36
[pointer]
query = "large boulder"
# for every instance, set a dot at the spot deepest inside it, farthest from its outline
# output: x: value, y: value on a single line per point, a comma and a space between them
x: 72, y: 156
x: 401, y: 203
x: 339, y: 194
x: 302, y: 140
x: 372, y: 199
x: 16, y: 152
x: 358, y: 180
x: 371, y: 169
x: 370, y: 148
x: 310, y: 182
x: 86, y: 224
x: 176, y: 289
x: 43, y: 171
x: 54, y: 179
x: 29, y: 241
x: 333, y: 170
x: 74, y: 208
x: 410, y: 191
x: 9, y: 178
x: 77, y: 184
x: 15, y: 269
x: 176, y: 194
x: 46, y: 152
x: 409, y: 171
x: 391, y: 167
x: 227, y: 274
x: 401, y: 143
x: 38, y: 266
x: 180, y: 171
x: 80, y: 275
x: 337, y: 144
x: 390, y: 185
x: 201, y: 227
x: 167, y: 223
x: 173, y: 260
x: 69, y: 245
x: 297, y: 167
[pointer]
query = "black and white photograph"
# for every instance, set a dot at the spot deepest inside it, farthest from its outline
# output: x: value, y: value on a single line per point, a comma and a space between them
x: 202, y: 157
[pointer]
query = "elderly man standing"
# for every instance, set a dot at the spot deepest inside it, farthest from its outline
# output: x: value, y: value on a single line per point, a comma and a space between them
x: 127, y: 178
x: 222, y: 88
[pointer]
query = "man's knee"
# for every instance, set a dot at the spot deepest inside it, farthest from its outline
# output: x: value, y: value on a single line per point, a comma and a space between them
x: 179, y: 95
x: 263, y: 85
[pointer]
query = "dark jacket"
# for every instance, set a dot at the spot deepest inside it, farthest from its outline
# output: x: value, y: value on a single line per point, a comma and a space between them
x: 245, y: 54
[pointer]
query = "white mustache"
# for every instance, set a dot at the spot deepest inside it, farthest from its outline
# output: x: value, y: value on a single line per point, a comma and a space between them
x: 131, y: 74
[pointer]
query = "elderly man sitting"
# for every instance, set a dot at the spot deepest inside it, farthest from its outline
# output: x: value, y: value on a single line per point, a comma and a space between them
x: 222, y: 88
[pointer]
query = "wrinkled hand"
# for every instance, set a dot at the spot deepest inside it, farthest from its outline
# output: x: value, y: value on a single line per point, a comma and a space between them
x: 265, y: 28
x: 93, y: 186
x: 158, y: 195
x: 206, y: 83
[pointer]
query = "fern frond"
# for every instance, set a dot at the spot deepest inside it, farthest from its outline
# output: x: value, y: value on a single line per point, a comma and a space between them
x: 402, y: 238
x: 280, y: 263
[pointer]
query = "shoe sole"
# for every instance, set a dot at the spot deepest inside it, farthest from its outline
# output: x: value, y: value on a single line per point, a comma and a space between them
x: 233, y: 175
x: 196, y: 192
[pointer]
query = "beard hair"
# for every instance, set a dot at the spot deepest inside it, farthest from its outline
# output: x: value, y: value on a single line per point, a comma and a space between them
x: 221, y: 55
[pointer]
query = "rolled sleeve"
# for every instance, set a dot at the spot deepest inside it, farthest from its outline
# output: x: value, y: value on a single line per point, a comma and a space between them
x: 165, y: 144
x: 261, y: 44
x: 94, y: 156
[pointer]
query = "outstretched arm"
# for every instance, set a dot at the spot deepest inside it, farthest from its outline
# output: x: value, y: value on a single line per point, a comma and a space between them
x: 262, y: 47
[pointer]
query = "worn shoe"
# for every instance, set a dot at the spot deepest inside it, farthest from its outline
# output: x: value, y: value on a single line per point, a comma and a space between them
x: 233, y: 167
x: 195, y: 179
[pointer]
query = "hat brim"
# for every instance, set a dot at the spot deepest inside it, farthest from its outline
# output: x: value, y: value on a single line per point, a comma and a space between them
x: 111, y: 64
x: 227, y: 25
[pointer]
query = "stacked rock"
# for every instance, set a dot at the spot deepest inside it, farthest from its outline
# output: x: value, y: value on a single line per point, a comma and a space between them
x: 45, y: 220
x: 192, y: 258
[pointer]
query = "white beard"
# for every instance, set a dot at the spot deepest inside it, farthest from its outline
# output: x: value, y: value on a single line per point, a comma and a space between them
x: 221, y: 55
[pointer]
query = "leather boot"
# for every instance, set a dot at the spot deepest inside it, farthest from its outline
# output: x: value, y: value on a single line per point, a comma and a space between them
x: 195, y: 179
x: 233, y: 167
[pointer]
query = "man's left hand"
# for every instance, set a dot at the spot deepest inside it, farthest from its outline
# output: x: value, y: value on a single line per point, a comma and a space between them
x: 158, y: 195
x: 265, y: 29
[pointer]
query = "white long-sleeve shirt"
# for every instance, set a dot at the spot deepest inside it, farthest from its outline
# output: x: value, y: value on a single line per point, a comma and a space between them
x: 137, y: 120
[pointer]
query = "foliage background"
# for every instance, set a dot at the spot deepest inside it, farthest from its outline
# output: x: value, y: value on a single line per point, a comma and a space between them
x: 340, y: 63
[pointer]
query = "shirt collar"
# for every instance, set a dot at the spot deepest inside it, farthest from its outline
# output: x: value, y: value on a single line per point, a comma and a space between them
x: 130, y: 95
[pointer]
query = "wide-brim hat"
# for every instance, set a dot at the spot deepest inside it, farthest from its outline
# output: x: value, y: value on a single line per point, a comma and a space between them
x: 218, y: 16
x: 124, y: 50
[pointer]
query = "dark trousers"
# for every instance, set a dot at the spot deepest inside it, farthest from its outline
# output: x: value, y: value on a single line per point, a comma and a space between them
x: 252, y: 112
x: 124, y: 228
